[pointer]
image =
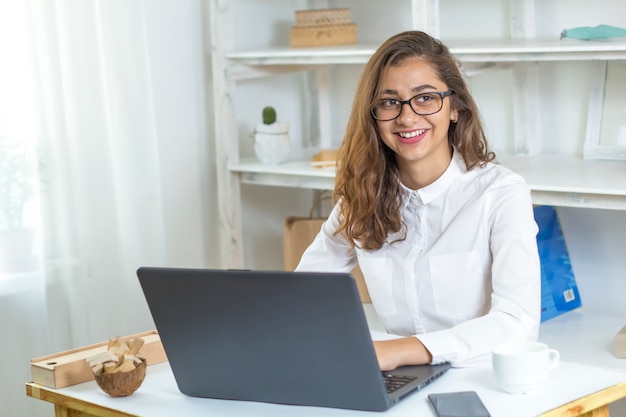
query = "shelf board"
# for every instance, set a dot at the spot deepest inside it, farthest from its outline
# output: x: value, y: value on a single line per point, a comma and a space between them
x: 515, y: 50
x: 346, y: 54
x: 490, y: 50
x: 572, y: 181
x: 296, y: 174
x: 554, y: 180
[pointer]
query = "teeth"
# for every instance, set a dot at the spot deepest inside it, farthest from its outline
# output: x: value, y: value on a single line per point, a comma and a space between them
x: 412, y: 134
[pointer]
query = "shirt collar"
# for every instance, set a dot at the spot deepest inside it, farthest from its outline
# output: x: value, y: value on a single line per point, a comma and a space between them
x: 432, y: 191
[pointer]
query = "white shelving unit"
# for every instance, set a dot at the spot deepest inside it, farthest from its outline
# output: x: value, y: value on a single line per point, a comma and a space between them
x: 561, y: 180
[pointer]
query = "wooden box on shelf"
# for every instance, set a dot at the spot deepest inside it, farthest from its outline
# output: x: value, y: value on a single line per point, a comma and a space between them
x: 323, y: 27
x: 321, y: 17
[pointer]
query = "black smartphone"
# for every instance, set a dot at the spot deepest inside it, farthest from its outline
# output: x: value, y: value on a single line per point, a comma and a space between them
x: 456, y: 404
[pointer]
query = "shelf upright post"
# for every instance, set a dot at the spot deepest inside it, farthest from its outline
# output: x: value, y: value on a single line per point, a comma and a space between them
x: 324, y: 105
x: 426, y: 16
x: 526, y: 131
x: 225, y: 135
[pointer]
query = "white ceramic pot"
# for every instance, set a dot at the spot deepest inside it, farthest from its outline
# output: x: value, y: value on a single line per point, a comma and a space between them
x: 272, y: 143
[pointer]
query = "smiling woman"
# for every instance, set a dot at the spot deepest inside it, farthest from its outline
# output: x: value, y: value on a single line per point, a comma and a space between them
x: 445, y: 238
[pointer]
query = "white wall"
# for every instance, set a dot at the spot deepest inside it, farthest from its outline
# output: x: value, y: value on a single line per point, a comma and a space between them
x: 596, y: 241
x: 181, y: 89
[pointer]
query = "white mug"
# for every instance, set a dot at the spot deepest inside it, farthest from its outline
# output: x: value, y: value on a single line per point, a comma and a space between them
x: 521, y: 367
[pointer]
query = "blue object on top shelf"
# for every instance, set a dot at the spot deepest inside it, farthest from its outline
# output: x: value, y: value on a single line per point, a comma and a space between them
x: 588, y: 33
x: 559, y: 292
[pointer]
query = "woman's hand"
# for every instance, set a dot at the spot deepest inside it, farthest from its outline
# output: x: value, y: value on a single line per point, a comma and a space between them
x: 398, y: 352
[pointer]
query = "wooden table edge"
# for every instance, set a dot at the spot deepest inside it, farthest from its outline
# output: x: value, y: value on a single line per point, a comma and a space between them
x: 63, y: 403
x: 592, y: 405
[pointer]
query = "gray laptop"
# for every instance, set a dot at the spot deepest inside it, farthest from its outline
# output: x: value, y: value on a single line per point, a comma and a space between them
x: 280, y: 337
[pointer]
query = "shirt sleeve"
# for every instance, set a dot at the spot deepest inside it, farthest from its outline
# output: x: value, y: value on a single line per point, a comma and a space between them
x: 515, y: 310
x: 329, y: 252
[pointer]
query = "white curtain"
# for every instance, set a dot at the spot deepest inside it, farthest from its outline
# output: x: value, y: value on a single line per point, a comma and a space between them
x: 105, y: 102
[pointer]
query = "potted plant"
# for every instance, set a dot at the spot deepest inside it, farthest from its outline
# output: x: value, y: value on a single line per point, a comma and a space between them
x: 271, y: 138
x: 16, y: 189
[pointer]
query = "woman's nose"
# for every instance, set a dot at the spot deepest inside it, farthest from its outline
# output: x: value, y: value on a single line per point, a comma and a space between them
x: 406, y: 113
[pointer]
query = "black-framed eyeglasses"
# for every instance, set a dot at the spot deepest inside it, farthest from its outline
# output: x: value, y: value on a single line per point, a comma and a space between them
x: 423, y: 104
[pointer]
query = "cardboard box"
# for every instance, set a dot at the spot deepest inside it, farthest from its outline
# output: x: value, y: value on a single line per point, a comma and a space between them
x: 322, y: 17
x: 69, y: 368
x: 298, y: 233
x: 325, y: 35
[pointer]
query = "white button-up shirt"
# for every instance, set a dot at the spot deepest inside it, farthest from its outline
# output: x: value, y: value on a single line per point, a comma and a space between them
x: 466, y: 277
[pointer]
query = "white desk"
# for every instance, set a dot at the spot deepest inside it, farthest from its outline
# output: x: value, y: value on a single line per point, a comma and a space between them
x: 585, y: 338
x: 159, y: 397
x: 579, y: 338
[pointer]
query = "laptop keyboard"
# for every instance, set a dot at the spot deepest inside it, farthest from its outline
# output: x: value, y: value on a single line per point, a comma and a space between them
x: 395, y: 382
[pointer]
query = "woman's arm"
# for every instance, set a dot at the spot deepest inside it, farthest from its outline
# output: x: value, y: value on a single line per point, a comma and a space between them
x: 329, y: 252
x: 404, y: 351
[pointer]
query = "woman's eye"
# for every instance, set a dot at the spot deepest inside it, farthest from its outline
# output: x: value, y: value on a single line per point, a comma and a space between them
x: 389, y: 102
x: 424, y: 98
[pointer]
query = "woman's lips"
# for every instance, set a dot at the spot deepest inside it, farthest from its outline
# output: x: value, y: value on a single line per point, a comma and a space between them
x: 413, y: 136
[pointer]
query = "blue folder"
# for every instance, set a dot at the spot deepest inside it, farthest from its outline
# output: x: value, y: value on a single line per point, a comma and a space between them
x: 559, y: 292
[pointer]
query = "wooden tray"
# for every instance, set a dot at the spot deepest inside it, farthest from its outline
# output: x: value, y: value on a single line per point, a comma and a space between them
x: 69, y: 368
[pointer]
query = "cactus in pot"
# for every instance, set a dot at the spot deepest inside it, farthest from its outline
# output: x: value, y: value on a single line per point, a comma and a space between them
x: 269, y: 115
x: 271, y: 138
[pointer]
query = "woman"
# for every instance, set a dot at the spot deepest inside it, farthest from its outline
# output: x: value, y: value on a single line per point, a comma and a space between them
x: 445, y: 238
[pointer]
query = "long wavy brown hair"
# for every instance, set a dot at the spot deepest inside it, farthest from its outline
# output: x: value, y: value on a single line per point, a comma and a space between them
x: 367, y: 183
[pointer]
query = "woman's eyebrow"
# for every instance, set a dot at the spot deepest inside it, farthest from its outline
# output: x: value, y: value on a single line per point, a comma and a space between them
x: 390, y: 92
x: 414, y: 89
x: 423, y: 87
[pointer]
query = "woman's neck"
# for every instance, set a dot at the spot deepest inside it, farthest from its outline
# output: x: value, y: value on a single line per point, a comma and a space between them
x: 423, y: 173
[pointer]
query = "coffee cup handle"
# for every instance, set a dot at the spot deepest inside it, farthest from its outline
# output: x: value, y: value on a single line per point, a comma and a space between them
x: 553, y: 358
